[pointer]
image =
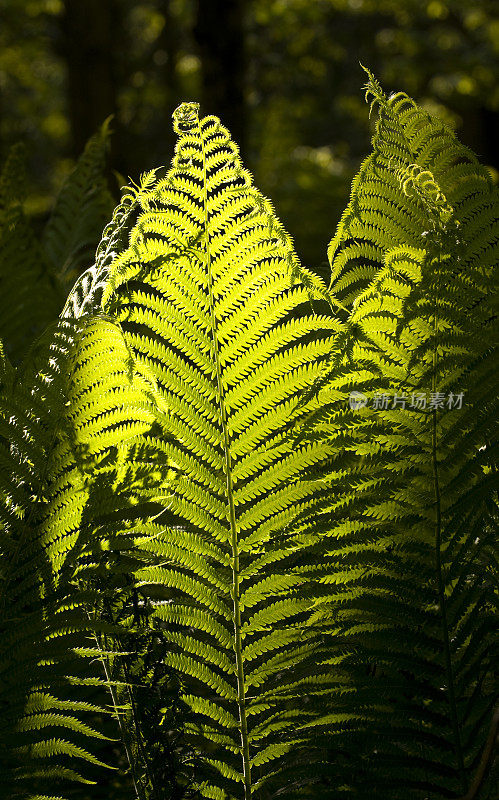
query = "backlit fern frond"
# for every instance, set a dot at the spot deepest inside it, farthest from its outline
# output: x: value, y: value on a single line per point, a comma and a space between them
x: 77, y: 475
x: 413, y: 482
x: 417, y: 179
x: 44, y: 735
x: 207, y: 294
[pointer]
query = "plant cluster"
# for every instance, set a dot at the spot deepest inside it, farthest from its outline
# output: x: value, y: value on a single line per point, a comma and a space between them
x: 248, y: 517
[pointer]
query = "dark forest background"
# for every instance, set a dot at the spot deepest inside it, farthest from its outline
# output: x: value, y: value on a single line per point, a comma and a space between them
x: 283, y: 75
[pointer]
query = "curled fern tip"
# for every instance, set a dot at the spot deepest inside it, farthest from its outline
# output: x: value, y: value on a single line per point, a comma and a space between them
x: 185, y: 117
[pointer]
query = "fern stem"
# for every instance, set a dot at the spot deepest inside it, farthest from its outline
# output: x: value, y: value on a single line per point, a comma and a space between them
x: 238, y: 650
x: 137, y: 731
x: 124, y: 733
x: 486, y: 759
x: 440, y: 579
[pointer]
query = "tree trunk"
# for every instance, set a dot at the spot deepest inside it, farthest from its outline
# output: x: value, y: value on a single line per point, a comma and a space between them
x: 89, y: 30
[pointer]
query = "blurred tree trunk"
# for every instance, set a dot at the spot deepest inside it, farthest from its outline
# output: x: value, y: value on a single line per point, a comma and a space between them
x: 89, y: 39
x: 489, y: 124
x: 168, y: 41
x: 480, y: 132
x: 219, y: 34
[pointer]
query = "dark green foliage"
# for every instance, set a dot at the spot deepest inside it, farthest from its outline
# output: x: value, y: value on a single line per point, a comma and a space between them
x: 51, y: 265
x: 29, y: 298
x: 81, y: 210
x: 285, y: 596
x: 414, y: 514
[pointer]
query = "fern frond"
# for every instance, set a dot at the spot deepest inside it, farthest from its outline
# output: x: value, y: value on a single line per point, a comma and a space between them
x: 30, y: 297
x: 80, y: 212
x: 78, y: 470
x: 409, y: 618
x: 207, y: 295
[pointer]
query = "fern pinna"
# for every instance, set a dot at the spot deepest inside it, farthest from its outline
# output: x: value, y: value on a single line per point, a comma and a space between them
x: 413, y: 482
x: 207, y: 294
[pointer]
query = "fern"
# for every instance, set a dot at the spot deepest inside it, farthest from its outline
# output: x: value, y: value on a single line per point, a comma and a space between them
x: 81, y: 210
x: 414, y: 491
x: 70, y: 418
x: 36, y: 275
x: 205, y: 294
x: 285, y: 595
x: 29, y: 296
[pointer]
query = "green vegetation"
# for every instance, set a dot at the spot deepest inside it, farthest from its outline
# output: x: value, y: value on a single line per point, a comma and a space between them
x: 219, y: 576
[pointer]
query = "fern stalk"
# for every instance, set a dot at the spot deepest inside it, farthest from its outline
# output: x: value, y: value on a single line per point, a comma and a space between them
x: 119, y: 716
x: 241, y: 693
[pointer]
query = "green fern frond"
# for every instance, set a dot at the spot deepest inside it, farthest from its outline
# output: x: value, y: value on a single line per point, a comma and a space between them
x: 81, y: 210
x: 410, y: 619
x: 29, y: 293
x: 418, y: 179
x: 206, y: 295
x: 78, y: 470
